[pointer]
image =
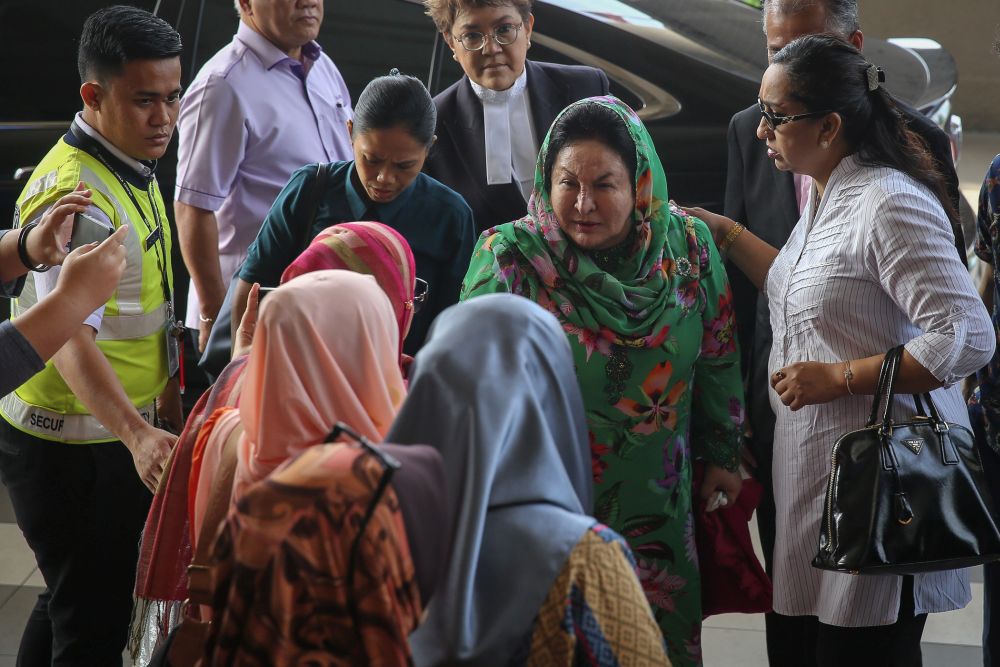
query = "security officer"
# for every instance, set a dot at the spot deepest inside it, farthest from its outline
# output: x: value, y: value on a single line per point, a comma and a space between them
x: 74, y: 437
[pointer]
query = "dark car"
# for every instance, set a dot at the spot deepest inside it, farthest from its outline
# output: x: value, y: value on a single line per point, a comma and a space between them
x: 686, y: 65
x: 38, y: 43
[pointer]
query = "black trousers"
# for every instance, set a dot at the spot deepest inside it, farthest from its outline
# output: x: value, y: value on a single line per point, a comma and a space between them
x: 81, y: 509
x: 991, y: 571
x: 196, y: 381
x: 802, y: 641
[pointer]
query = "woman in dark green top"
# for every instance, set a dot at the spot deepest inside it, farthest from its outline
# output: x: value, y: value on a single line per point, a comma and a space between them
x: 392, y: 131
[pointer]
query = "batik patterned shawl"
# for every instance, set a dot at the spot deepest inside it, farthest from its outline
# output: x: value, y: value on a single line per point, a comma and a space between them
x: 281, y: 594
x: 657, y: 362
x: 596, y: 614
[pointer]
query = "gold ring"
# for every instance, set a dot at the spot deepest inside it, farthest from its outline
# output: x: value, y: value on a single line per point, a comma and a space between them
x: 780, y: 375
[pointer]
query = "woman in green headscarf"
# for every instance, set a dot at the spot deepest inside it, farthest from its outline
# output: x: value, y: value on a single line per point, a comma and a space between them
x: 643, y: 298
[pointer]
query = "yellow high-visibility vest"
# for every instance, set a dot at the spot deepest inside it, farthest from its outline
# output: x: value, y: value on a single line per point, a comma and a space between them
x: 132, y: 334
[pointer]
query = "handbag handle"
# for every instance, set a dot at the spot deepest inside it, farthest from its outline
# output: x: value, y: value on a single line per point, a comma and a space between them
x: 931, y: 413
x: 901, y: 504
x: 887, y: 387
x: 880, y: 386
x: 896, y: 355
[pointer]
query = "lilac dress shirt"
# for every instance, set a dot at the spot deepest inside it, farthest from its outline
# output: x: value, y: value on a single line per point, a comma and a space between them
x: 251, y: 117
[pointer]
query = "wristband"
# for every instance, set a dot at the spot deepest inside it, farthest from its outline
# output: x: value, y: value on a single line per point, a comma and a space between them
x: 22, y: 249
x: 848, y: 376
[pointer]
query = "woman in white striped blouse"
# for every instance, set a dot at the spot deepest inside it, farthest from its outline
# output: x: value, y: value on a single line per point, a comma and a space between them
x: 871, y: 264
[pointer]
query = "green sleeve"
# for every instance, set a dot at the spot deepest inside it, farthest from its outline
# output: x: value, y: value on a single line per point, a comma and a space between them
x: 483, y: 276
x: 718, y: 405
x: 277, y: 243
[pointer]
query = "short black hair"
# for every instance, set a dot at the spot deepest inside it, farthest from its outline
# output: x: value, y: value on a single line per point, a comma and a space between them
x: 590, y: 120
x: 116, y: 35
x: 396, y: 100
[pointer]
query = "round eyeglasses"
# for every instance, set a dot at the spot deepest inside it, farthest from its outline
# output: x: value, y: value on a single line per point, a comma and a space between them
x: 773, y: 120
x: 504, y: 34
x: 420, y: 292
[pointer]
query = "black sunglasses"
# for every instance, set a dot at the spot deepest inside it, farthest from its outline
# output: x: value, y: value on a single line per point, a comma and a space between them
x: 773, y: 120
x: 389, y: 466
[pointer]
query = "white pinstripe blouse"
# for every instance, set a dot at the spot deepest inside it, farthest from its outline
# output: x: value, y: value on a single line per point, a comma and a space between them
x: 875, y: 267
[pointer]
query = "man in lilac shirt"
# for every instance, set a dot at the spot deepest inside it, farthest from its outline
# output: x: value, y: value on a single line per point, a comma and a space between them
x: 266, y: 104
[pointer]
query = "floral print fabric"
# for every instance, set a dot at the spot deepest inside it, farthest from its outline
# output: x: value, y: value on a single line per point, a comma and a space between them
x: 984, y: 406
x: 657, y: 362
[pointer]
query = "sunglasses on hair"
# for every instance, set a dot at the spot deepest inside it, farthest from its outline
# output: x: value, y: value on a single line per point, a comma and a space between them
x: 773, y: 120
x: 389, y: 466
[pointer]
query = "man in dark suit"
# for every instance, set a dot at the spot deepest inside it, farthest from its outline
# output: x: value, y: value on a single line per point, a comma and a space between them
x: 769, y: 203
x: 491, y: 122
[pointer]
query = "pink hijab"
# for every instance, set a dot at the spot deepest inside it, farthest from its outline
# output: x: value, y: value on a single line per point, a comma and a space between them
x: 326, y: 349
x: 365, y: 247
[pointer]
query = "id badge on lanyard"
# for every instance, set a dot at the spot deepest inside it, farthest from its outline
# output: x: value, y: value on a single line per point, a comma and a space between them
x: 173, y: 330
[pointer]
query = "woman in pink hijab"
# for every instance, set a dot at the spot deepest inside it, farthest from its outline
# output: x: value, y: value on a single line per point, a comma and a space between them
x: 364, y: 247
x: 370, y: 248
x: 161, y: 582
x: 326, y: 349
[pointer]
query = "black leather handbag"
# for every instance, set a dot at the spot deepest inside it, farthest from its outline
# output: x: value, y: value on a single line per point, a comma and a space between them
x: 906, y: 497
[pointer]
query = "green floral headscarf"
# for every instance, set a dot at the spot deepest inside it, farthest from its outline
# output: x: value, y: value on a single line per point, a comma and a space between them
x: 631, y: 307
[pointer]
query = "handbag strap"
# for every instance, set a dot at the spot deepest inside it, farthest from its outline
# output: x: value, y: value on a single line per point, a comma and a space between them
x: 895, y: 354
x: 199, y: 572
x: 312, y: 204
x: 932, y: 412
x: 882, y: 387
x: 887, y: 389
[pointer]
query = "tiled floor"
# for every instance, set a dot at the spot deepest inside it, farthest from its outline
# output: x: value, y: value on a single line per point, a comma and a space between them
x: 950, y: 640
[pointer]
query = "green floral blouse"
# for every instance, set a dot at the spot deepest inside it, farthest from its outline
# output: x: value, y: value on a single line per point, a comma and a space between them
x: 653, y: 338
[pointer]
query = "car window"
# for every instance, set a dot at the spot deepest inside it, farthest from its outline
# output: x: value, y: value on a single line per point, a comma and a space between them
x: 38, y: 49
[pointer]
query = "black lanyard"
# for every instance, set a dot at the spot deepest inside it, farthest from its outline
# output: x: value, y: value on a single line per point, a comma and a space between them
x: 155, y: 236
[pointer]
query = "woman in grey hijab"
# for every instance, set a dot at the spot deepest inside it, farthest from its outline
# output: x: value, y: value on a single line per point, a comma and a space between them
x: 494, y: 391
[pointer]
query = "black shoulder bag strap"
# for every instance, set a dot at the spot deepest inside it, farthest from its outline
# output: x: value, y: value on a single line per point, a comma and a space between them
x: 312, y: 204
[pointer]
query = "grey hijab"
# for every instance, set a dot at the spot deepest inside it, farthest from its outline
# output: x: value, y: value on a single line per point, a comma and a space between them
x: 495, y: 392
